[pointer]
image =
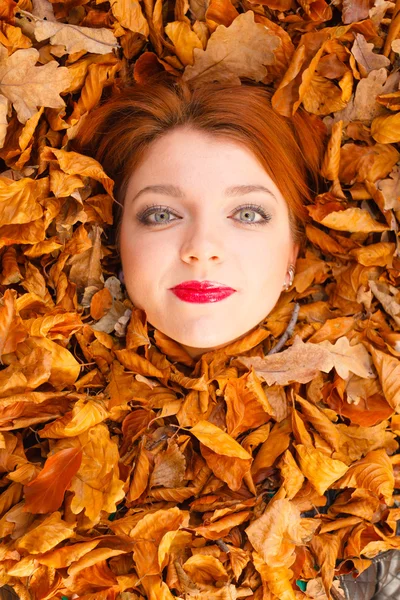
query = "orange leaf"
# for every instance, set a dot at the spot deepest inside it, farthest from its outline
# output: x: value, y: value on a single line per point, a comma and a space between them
x: 45, y: 493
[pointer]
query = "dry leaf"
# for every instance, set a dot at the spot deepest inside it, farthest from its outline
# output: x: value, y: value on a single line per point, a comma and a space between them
x: 28, y: 86
x: 75, y: 38
x: 243, y: 49
x: 129, y: 467
x: 367, y: 59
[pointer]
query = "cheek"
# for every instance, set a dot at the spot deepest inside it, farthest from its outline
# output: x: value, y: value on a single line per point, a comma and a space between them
x: 142, y: 257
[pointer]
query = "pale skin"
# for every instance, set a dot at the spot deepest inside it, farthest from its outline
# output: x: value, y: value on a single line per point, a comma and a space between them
x: 204, y: 234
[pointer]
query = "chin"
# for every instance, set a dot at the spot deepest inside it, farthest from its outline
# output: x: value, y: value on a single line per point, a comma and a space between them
x: 200, y: 341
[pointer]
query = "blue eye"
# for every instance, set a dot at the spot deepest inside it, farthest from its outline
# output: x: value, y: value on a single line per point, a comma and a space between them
x: 157, y: 209
x: 154, y: 209
x: 252, y: 208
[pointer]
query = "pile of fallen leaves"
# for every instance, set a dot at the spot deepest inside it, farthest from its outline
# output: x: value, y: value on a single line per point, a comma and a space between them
x: 128, y: 470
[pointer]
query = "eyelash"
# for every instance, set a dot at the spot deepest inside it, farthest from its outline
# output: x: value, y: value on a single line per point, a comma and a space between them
x: 143, y: 216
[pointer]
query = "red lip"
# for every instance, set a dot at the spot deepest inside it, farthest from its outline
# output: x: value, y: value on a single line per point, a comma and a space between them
x: 202, y: 291
x: 196, y: 296
x: 202, y: 286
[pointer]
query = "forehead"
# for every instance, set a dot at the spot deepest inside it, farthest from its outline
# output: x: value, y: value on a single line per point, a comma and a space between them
x: 196, y: 158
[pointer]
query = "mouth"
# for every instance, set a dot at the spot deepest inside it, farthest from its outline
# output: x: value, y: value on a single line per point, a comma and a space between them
x: 202, y: 296
x: 203, y: 286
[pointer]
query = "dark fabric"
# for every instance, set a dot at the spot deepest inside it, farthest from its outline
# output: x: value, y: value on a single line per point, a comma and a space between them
x: 381, y: 581
x: 7, y: 593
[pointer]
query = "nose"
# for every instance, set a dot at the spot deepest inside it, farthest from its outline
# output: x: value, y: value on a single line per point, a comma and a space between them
x: 202, y: 243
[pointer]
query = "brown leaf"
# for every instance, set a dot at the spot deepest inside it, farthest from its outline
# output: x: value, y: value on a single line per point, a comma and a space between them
x: 367, y: 59
x: 75, y: 38
x: 300, y: 362
x: 29, y: 87
x: 241, y: 50
x: 355, y: 10
x: 169, y: 467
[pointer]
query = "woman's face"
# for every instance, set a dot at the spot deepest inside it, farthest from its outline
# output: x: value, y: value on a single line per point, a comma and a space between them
x: 203, y: 231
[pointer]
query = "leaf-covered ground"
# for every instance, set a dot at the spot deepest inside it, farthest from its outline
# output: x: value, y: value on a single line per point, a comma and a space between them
x: 129, y: 471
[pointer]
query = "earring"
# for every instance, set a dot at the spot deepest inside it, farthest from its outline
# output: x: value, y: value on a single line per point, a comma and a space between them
x: 291, y: 271
x: 121, y: 277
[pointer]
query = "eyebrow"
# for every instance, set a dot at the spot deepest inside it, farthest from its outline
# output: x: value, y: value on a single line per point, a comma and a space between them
x: 177, y: 192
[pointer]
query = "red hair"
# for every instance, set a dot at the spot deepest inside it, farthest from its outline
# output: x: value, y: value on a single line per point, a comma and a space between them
x: 119, y: 131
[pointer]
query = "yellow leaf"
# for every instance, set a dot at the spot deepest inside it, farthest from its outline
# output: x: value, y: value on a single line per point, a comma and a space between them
x: 386, y: 129
x: 319, y: 469
x: 388, y: 368
x: 129, y: 14
x: 353, y: 219
x: 276, y: 533
x: 292, y: 477
x: 65, y: 368
x: 184, y: 40
x: 277, y: 578
x: 205, y: 569
x: 374, y: 472
x: 20, y: 200
x: 47, y: 534
x: 217, y: 440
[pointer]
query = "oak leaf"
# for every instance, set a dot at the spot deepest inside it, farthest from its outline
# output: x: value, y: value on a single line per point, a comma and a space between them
x: 367, y: 59
x: 75, y: 38
x: 301, y: 362
x: 354, y: 358
x: 243, y: 49
x: 28, y: 86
